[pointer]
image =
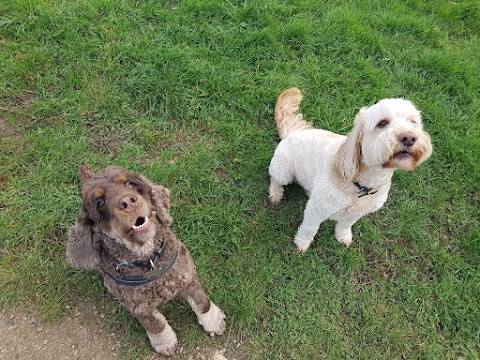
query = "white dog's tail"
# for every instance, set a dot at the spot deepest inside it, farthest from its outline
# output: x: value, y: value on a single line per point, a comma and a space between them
x: 287, y: 117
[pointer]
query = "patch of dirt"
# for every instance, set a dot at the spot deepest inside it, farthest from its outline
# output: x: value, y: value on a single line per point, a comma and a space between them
x: 18, y: 101
x: 85, y: 335
x: 25, y: 336
x: 12, y: 143
x: 102, y: 139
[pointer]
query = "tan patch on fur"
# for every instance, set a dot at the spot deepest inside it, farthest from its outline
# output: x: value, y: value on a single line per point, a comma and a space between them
x: 348, y: 159
x: 120, y: 179
x: 144, y: 249
x: 287, y: 117
x: 98, y: 193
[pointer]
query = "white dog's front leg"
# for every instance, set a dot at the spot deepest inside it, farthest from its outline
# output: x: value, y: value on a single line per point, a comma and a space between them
x: 313, y: 216
x: 343, y: 233
x: 343, y: 228
x: 275, y: 192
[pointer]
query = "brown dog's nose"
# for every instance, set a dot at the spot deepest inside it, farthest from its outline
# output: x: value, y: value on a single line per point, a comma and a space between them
x: 127, y: 203
x: 408, y: 138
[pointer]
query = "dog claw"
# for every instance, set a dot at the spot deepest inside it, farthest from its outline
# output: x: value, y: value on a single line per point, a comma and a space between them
x: 346, y: 242
x: 302, y: 245
x: 275, y: 200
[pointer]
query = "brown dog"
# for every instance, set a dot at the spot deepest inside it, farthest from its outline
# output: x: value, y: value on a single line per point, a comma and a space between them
x: 123, y: 231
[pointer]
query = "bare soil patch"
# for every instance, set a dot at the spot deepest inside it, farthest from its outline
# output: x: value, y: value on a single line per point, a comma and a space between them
x: 85, y: 334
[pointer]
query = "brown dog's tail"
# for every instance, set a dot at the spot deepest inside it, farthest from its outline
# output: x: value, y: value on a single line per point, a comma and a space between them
x: 287, y: 117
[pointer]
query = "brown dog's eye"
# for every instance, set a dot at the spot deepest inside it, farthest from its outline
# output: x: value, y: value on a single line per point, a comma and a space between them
x: 382, y: 124
x: 100, y: 203
x: 130, y: 184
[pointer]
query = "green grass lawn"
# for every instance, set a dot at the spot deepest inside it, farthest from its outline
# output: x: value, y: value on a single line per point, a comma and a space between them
x: 183, y: 92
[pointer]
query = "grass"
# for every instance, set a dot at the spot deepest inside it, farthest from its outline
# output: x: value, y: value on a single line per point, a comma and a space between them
x: 183, y: 92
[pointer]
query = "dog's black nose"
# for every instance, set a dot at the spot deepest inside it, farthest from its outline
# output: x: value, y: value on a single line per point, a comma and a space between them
x: 408, y: 138
x: 127, y: 203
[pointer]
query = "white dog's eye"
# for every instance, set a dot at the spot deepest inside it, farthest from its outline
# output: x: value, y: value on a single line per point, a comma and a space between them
x: 130, y: 184
x: 382, y: 123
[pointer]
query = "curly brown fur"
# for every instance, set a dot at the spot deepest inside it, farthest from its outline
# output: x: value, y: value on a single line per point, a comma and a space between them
x: 124, y: 217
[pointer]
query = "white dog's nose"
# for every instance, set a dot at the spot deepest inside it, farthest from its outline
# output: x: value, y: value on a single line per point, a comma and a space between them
x: 408, y: 138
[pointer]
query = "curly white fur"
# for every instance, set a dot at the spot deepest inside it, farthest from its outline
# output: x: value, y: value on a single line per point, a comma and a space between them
x: 386, y: 136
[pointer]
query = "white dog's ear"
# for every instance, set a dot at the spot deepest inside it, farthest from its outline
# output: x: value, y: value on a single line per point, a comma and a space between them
x: 349, y: 156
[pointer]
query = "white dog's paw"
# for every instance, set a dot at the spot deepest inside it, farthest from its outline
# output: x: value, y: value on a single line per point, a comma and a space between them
x: 275, y: 198
x: 344, y: 237
x: 213, y: 321
x: 165, y: 342
x: 302, y: 244
x: 275, y: 193
x: 345, y: 242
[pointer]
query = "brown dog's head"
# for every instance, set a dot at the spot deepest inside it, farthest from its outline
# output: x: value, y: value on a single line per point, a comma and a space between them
x: 119, y: 203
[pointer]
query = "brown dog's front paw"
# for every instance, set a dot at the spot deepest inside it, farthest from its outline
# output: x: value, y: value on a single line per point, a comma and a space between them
x: 213, y: 321
x: 164, y: 343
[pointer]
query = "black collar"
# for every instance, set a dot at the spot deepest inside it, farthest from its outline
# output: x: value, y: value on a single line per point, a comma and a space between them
x: 363, y: 190
x: 151, y: 275
x: 149, y: 264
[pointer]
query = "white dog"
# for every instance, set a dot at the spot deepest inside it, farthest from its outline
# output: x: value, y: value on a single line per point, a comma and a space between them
x: 345, y: 177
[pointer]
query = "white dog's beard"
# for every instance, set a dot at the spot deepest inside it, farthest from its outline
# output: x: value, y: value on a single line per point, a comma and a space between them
x: 403, y: 161
x: 408, y: 158
x: 390, y: 154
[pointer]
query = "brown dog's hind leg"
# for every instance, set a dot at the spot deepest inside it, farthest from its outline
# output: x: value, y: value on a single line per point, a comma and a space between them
x: 209, y: 315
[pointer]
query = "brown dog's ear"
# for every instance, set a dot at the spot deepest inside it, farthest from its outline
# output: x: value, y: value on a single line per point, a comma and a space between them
x: 161, y: 200
x: 349, y: 155
x: 160, y: 196
x: 81, y: 252
x: 85, y: 173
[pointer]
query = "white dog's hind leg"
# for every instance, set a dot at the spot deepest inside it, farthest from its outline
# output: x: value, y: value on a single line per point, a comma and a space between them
x: 313, y: 216
x: 282, y: 173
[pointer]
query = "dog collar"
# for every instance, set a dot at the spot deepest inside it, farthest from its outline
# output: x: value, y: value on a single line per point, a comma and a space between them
x: 149, y: 276
x: 150, y: 263
x: 363, y: 190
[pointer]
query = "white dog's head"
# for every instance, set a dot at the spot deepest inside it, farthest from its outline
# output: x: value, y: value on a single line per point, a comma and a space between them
x: 390, y: 134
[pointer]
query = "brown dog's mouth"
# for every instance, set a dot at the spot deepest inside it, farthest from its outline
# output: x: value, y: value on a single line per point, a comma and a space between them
x: 141, y: 224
